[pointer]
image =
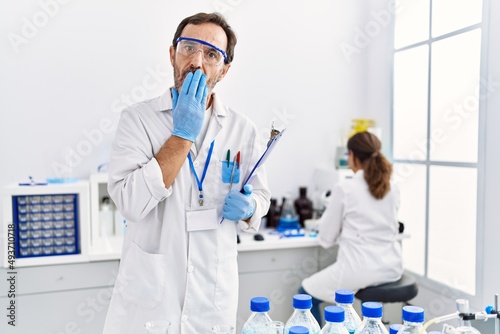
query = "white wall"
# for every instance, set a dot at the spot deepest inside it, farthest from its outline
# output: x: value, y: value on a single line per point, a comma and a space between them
x: 67, y: 75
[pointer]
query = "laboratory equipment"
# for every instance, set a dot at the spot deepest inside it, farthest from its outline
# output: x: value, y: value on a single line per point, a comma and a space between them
x: 223, y: 329
x: 103, y: 241
x: 394, y: 328
x: 464, y: 323
x: 44, y: 224
x: 334, y: 321
x: 464, y: 316
x: 345, y: 298
x: 303, y: 206
x: 299, y: 330
x: 272, y: 215
x: 289, y: 220
x: 341, y: 157
x: 372, y: 319
x: 302, y: 315
x: 106, y: 218
x: 259, y: 318
x: 275, y: 327
x: 157, y: 326
x: 413, y: 320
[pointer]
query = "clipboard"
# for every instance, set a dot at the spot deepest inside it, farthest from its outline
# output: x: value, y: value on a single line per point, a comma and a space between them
x: 270, y: 146
x: 275, y: 136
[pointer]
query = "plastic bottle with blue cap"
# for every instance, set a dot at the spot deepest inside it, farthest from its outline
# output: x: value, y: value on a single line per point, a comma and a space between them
x: 302, y: 315
x: 299, y: 330
x: 394, y: 328
x: 372, y: 319
x: 259, y: 318
x: 344, y: 298
x: 413, y: 320
x: 334, y: 321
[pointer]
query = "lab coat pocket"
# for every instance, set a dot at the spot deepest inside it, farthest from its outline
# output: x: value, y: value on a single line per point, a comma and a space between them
x: 226, y: 286
x: 141, y: 279
x: 230, y: 170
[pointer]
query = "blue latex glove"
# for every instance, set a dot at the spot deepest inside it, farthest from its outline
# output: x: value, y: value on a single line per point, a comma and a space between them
x: 238, y: 206
x: 188, y: 107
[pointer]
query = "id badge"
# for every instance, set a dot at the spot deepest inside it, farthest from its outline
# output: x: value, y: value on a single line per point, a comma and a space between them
x: 201, y: 220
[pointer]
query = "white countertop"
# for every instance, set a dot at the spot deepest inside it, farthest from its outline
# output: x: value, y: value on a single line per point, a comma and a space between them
x: 272, y: 240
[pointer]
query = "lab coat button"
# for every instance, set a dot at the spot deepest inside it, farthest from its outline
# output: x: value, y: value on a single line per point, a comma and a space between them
x: 190, y: 269
x: 184, y: 318
x: 196, y: 163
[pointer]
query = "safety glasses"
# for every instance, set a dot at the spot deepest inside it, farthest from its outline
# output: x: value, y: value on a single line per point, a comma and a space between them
x: 212, y: 55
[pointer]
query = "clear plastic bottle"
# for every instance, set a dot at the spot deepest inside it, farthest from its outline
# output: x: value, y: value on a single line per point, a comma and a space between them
x: 299, y: 330
x: 334, y: 321
x: 257, y: 321
x: 372, y: 319
x: 465, y: 326
x: 344, y: 298
x: 413, y: 320
x: 302, y: 315
x: 394, y: 328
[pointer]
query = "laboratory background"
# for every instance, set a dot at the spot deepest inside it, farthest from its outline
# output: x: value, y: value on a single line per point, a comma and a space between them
x: 423, y: 75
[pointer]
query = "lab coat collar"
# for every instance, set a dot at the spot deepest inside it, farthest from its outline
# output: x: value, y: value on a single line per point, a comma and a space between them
x: 215, y: 125
x: 359, y: 174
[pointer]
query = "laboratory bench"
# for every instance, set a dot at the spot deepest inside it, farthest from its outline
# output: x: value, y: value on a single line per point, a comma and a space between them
x: 274, y: 268
x: 74, y: 297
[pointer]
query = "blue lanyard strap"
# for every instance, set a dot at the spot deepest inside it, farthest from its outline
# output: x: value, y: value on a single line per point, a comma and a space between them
x: 200, y: 182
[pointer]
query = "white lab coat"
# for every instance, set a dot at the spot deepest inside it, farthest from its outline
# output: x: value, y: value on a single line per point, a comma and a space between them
x: 187, y: 278
x: 365, y: 230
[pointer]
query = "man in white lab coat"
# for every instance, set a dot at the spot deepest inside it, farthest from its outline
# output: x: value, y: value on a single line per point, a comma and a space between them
x: 173, y: 163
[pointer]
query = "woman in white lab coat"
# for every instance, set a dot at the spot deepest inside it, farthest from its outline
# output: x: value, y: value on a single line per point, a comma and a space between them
x: 361, y: 218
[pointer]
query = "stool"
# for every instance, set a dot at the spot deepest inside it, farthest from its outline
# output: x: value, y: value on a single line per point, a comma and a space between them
x: 401, y: 291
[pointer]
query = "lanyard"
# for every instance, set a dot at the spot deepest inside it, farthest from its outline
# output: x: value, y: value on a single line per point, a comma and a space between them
x: 200, y: 182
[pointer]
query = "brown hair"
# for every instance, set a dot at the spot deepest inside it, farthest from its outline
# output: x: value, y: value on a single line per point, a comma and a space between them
x: 215, y: 18
x: 377, y: 169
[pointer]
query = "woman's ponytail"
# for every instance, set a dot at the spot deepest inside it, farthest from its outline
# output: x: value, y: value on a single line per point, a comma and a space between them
x: 377, y: 173
x: 377, y: 169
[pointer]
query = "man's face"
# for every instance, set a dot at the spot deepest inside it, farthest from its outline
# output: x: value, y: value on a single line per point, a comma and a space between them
x: 182, y: 64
